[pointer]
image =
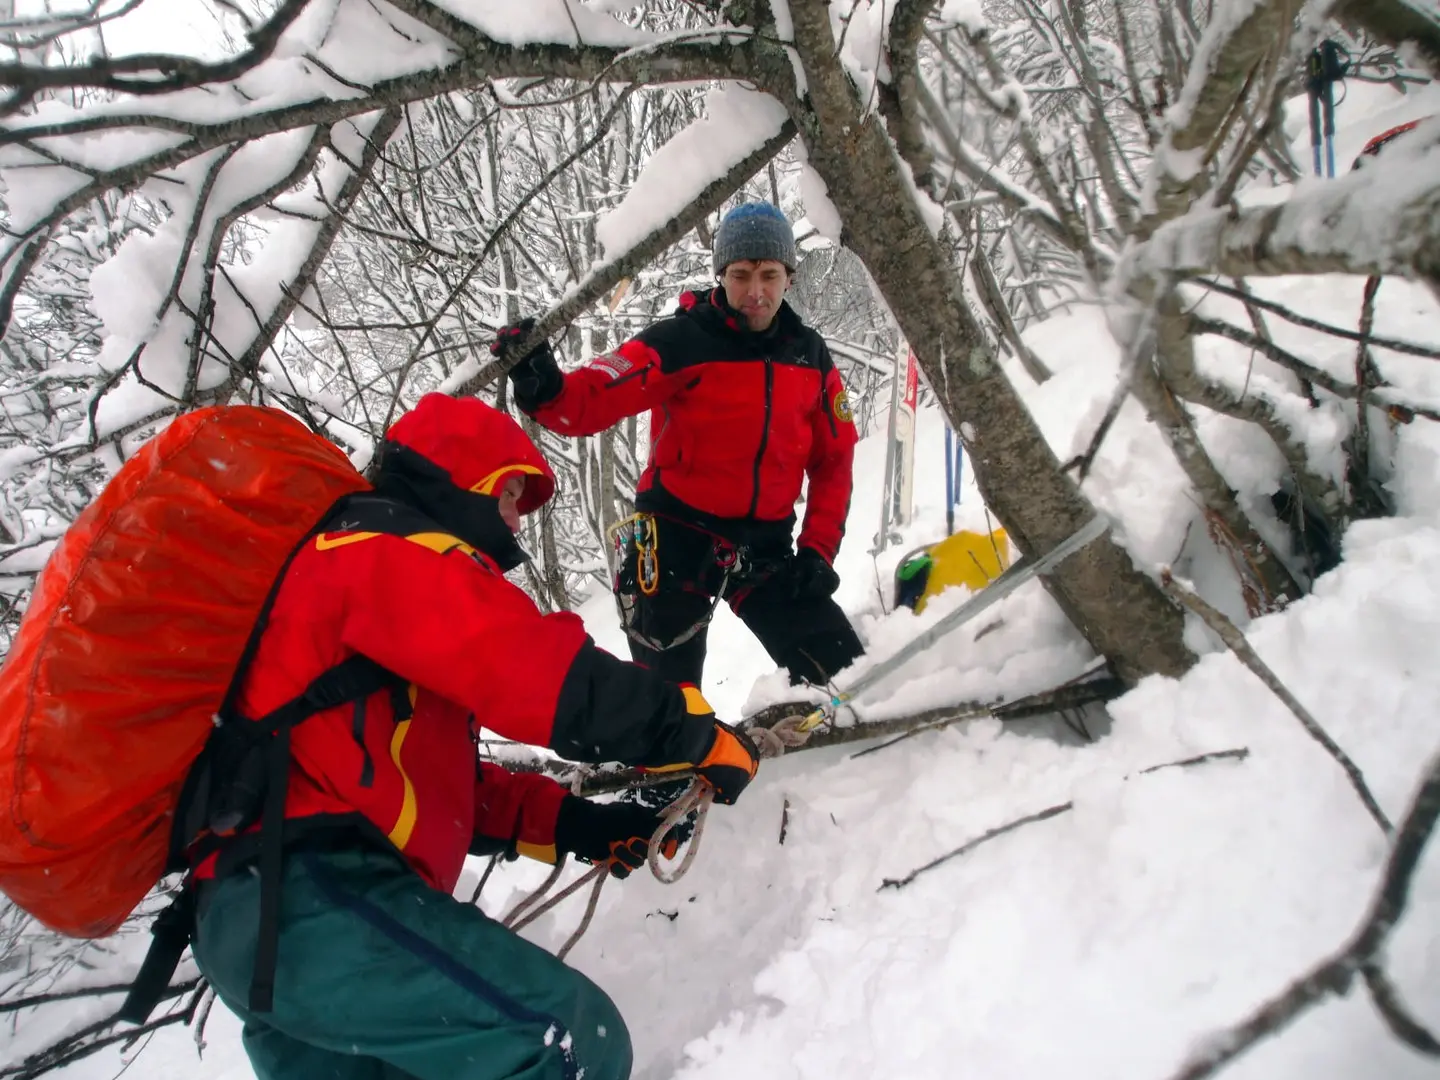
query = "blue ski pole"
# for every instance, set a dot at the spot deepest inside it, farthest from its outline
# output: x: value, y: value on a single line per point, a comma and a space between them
x: 950, y: 485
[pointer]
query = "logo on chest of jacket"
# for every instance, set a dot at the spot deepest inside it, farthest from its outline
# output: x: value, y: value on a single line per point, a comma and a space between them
x: 614, y: 363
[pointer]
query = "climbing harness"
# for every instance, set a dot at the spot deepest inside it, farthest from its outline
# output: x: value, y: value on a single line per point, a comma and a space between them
x: 635, y: 556
x: 792, y: 732
x: 635, y: 544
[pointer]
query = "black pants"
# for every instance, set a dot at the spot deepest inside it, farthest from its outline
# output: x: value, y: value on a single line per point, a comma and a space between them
x: 809, y: 636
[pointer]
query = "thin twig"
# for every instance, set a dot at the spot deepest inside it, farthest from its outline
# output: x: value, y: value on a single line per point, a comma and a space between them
x: 1238, y: 753
x: 1141, y: 345
x: 1230, y: 634
x: 1410, y: 347
x: 1335, y: 975
x: 89, y: 991
x: 1043, y: 815
x: 1392, y: 1010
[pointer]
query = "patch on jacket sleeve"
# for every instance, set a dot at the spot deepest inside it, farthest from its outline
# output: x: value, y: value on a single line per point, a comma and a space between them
x: 613, y: 362
x: 840, y: 406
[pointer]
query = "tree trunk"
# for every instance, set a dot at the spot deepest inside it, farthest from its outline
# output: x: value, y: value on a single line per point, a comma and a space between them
x: 1116, y: 606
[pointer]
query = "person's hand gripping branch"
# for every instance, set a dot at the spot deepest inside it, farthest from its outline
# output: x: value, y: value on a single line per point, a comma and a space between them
x: 534, y: 374
x: 729, y: 764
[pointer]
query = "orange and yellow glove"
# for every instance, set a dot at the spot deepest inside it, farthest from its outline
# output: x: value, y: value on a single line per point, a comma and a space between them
x: 729, y: 764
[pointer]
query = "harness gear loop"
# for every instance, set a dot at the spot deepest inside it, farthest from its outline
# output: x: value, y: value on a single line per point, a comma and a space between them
x: 640, y: 533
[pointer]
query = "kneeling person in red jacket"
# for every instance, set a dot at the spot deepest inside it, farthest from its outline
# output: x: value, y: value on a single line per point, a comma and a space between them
x: 378, y: 970
x: 745, y: 403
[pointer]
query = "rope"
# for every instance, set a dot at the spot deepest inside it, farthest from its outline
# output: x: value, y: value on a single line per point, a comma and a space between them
x: 770, y: 742
x: 511, y: 921
x: 697, y: 797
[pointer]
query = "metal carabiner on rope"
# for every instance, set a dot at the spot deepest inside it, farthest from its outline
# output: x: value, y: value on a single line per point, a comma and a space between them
x: 647, y: 554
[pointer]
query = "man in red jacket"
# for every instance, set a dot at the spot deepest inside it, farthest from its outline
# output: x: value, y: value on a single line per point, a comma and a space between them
x: 378, y: 971
x: 745, y: 404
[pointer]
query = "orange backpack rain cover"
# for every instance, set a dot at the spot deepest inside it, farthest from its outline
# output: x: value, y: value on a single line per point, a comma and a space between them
x: 129, y: 644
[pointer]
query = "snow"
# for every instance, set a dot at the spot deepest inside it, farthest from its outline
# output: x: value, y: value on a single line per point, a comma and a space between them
x: 967, y: 14
x: 545, y: 21
x: 1106, y: 942
x: 737, y: 121
x: 819, y: 210
x: 860, y: 28
x: 361, y: 42
x: 1113, y: 940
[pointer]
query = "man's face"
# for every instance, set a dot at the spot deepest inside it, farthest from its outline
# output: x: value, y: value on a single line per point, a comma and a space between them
x: 755, y: 290
x: 509, y: 498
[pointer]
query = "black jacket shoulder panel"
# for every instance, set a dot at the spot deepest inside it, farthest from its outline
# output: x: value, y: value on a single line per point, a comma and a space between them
x: 677, y: 340
x: 371, y: 511
x: 703, y: 331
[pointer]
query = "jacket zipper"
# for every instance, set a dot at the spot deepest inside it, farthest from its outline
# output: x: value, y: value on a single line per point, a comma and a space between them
x: 764, y: 434
x: 367, y: 769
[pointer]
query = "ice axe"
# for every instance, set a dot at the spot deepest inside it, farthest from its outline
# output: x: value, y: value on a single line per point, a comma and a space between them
x: 997, y: 590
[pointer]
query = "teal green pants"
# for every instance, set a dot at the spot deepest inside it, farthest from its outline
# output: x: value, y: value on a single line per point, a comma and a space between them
x: 381, y: 977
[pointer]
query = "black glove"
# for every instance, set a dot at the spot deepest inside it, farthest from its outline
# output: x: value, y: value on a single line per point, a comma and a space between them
x: 535, y: 375
x: 811, y: 577
x: 615, y: 833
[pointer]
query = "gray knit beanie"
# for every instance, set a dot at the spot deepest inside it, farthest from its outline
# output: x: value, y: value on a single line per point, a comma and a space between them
x: 755, y: 231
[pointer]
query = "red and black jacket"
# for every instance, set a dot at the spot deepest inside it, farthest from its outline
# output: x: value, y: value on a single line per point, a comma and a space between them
x: 389, y: 640
x: 738, y: 420
x: 411, y: 577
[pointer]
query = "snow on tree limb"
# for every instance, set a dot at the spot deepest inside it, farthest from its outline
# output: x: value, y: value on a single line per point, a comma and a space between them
x: 309, y: 81
x: 1397, y: 22
x: 1244, y: 37
x: 147, y: 73
x: 705, y: 198
x: 1381, y: 220
x: 737, y: 122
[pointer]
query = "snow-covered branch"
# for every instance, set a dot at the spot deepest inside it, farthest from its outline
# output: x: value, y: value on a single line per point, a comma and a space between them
x: 1397, y: 22
x: 1370, y: 222
x: 1241, y: 50
x: 146, y: 73
x: 637, y: 252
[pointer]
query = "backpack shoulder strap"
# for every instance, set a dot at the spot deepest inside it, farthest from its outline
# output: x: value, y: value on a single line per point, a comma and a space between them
x: 244, y: 766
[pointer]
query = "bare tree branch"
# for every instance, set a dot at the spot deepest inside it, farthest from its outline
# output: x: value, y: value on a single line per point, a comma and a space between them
x: 1230, y: 634
x: 265, y: 334
x: 1239, y: 753
x: 1409, y: 347
x: 1335, y: 975
x: 146, y: 73
x: 1398, y: 1019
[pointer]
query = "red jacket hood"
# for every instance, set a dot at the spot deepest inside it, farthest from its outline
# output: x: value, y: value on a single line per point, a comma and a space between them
x: 477, y: 445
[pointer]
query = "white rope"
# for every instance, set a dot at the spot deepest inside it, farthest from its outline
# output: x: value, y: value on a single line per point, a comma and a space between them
x: 769, y: 742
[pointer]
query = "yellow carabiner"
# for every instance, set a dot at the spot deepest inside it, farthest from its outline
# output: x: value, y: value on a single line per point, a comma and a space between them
x: 647, y: 555
x: 812, y: 720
